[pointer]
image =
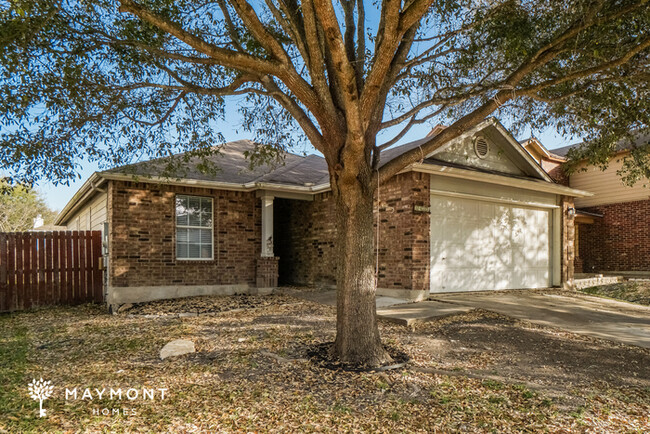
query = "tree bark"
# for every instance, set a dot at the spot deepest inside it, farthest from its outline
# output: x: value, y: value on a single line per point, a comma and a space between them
x: 357, y: 333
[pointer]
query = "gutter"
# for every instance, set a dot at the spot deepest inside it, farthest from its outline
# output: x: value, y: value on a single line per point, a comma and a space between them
x: 89, y: 187
x: 249, y: 186
x: 547, y: 187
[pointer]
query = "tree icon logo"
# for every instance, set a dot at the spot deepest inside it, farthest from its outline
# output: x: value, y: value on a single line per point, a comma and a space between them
x: 39, y: 391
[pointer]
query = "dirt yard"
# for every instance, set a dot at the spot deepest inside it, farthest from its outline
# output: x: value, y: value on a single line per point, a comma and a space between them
x: 477, y: 372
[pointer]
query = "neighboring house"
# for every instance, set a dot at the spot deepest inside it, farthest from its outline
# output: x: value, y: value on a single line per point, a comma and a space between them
x: 478, y: 214
x: 613, y: 225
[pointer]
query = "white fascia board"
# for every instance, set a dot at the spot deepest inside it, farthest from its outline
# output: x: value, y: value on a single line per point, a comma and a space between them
x: 520, y: 149
x: 96, y: 179
x: 535, y: 185
x: 88, y: 188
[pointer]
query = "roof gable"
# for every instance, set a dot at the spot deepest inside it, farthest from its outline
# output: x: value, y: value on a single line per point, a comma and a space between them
x: 505, y: 154
x: 464, y: 152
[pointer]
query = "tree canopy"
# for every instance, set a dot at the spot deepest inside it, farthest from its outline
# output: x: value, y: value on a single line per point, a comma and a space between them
x: 20, y: 207
x: 108, y: 80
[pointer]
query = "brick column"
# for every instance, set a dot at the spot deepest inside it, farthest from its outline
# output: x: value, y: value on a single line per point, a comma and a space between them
x: 267, y: 272
x: 568, y: 239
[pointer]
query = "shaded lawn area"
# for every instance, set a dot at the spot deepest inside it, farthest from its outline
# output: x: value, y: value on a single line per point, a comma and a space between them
x: 477, y: 372
x: 635, y: 291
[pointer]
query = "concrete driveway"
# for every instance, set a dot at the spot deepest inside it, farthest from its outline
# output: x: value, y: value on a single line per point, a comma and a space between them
x: 576, y: 313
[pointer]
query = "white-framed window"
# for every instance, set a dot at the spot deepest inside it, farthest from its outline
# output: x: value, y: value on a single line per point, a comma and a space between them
x: 194, y: 227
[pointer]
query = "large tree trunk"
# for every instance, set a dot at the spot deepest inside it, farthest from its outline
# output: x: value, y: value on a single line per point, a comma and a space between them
x: 357, y: 334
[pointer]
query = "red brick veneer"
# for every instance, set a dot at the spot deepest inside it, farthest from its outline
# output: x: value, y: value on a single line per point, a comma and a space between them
x: 306, y: 233
x: 142, y: 246
x: 620, y: 241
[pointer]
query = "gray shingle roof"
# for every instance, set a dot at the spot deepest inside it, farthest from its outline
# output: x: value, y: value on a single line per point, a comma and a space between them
x: 641, y: 138
x: 233, y: 167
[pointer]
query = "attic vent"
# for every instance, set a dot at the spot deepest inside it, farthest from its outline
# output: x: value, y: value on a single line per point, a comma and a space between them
x: 481, y: 147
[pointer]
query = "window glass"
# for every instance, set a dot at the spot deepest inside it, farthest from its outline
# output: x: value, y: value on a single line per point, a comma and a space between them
x: 194, y: 227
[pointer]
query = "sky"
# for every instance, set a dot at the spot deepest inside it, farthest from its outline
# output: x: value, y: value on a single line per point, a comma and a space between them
x: 57, y: 196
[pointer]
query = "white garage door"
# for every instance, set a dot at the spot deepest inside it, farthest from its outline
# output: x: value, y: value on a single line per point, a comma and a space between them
x: 477, y: 245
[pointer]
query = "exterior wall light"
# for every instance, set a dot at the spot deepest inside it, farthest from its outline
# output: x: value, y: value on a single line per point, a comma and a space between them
x: 571, y: 212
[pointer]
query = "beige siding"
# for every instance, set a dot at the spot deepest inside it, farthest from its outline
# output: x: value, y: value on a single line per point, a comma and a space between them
x: 90, y: 217
x: 98, y: 213
x: 607, y: 186
x: 462, y: 152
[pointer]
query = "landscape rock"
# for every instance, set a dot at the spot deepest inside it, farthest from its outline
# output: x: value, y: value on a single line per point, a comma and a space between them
x: 177, y: 347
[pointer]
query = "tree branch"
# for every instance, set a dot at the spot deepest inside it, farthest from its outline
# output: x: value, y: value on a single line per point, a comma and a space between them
x: 361, y: 45
x: 412, y: 122
x: 531, y: 90
x: 265, y: 38
x: 344, y: 73
x: 540, y: 58
x: 316, y: 57
x: 312, y: 133
x: 222, y: 56
x: 230, y: 27
x: 162, y: 118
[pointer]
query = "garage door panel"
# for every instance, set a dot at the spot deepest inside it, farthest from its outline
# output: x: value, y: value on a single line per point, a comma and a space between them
x: 468, y: 279
x: 480, y: 245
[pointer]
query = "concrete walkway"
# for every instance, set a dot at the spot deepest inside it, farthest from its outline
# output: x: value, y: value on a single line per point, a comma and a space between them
x: 397, y: 310
x: 581, y: 314
x: 577, y: 313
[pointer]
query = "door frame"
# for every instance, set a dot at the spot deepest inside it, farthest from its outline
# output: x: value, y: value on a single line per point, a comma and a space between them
x: 554, y: 223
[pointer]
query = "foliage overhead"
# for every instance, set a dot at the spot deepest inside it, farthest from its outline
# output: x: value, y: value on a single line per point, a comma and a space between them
x: 20, y: 206
x: 113, y: 80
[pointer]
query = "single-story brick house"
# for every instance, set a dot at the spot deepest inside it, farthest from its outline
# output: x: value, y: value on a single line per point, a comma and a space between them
x: 478, y: 214
x: 613, y: 225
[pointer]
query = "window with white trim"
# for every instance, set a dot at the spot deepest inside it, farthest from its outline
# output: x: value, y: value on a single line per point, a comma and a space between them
x: 194, y: 227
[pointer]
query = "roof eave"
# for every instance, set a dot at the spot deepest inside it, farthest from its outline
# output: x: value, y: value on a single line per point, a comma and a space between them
x: 520, y: 150
x: 532, y: 184
x: 249, y: 186
x: 92, y: 183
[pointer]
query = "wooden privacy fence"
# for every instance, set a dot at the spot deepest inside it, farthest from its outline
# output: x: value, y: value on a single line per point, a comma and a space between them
x: 47, y: 268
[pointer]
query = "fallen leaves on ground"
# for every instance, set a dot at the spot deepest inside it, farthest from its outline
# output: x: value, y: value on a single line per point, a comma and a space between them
x: 476, y: 372
x: 635, y: 291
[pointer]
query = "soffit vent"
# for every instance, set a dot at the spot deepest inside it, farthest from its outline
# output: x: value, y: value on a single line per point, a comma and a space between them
x: 481, y: 147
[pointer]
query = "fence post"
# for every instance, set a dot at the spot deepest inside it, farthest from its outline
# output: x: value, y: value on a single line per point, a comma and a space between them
x: 98, y: 269
x: 56, y: 278
x: 4, y: 279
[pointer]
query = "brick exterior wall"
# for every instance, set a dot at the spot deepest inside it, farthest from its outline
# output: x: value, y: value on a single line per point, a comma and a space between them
x: 267, y: 272
x: 142, y: 242
x: 554, y: 170
x: 304, y: 238
x: 305, y: 235
x: 404, y: 234
x: 620, y: 241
